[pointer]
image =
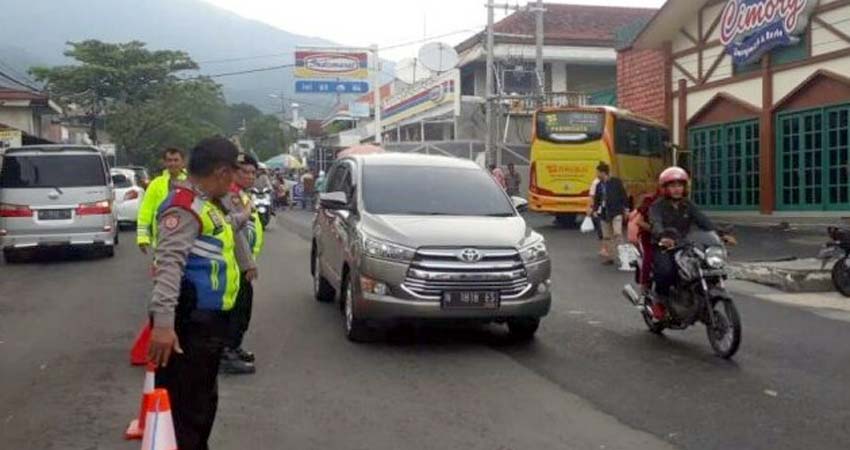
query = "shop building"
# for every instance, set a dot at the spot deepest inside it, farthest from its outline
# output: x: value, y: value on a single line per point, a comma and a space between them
x: 757, y: 96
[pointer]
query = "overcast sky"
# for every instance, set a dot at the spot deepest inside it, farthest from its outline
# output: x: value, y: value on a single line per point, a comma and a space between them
x: 384, y: 22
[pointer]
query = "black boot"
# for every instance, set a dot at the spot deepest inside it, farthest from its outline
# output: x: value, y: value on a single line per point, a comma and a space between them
x: 231, y: 364
x: 244, y: 355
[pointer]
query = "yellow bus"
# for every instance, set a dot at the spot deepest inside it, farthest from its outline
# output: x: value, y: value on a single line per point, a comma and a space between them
x: 567, y: 145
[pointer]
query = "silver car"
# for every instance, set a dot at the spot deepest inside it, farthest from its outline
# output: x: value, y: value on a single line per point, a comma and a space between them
x: 55, y: 195
x: 409, y: 236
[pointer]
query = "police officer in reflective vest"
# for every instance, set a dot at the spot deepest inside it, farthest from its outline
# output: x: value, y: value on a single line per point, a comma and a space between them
x: 155, y: 194
x: 236, y: 360
x: 199, y: 255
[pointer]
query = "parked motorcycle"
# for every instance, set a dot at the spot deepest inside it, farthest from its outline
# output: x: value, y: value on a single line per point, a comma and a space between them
x: 263, y: 203
x: 838, y: 250
x: 698, y: 296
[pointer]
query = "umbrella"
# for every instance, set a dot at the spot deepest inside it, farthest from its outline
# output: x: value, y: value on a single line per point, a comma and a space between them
x: 360, y: 150
x: 284, y: 162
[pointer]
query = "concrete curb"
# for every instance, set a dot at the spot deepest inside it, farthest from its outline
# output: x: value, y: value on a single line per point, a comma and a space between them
x: 799, y: 275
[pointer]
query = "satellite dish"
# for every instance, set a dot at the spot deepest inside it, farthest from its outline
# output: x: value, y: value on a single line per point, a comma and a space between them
x: 411, y: 70
x: 438, y: 57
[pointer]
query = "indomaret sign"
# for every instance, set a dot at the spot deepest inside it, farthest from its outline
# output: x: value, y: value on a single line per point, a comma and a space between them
x: 751, y: 28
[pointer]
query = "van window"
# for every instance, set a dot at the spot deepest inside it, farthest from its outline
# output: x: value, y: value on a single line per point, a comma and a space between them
x: 45, y: 171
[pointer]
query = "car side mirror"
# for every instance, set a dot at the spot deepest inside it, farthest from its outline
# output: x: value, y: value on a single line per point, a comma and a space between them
x: 520, y: 204
x: 333, y: 200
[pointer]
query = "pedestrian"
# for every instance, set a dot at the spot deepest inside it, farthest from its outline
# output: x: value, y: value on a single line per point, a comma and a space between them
x: 513, y: 181
x: 597, y: 224
x: 235, y: 360
x: 199, y: 255
x: 610, y: 202
x: 308, y: 181
x: 174, y: 162
x: 498, y: 175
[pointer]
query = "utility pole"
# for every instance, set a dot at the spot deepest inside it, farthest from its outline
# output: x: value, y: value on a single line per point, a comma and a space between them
x: 541, y: 83
x: 376, y: 87
x: 488, y: 95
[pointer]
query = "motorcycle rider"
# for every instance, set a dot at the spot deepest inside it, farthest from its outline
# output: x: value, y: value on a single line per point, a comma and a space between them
x: 672, y: 216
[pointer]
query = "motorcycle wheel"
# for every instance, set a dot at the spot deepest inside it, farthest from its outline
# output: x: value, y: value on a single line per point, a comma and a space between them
x: 841, y: 277
x: 724, y: 334
x: 654, y: 326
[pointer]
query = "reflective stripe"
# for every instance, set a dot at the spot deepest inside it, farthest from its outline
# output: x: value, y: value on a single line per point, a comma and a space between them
x: 214, y: 274
x: 206, y: 254
x: 207, y: 246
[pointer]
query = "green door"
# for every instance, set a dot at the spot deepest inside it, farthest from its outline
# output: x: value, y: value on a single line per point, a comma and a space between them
x: 812, y: 159
x: 725, y: 165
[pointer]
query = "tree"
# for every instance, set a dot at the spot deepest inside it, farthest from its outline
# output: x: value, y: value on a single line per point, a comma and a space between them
x: 108, y: 74
x: 179, y: 114
x: 264, y: 136
x: 239, y: 114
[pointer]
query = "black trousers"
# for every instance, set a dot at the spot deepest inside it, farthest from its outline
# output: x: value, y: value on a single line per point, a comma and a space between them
x: 191, y: 377
x: 663, y: 271
x: 240, y: 315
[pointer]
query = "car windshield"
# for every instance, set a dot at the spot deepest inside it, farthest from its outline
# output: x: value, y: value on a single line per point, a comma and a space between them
x: 416, y: 190
x: 46, y: 171
x: 119, y: 180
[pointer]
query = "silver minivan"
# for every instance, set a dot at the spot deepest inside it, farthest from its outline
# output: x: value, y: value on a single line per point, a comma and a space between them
x: 402, y: 237
x: 55, y: 195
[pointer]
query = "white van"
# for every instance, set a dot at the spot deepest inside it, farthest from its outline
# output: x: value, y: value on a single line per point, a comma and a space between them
x: 55, y: 195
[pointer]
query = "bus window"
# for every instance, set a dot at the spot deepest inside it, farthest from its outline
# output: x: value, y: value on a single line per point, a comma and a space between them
x: 636, y: 139
x: 570, y: 126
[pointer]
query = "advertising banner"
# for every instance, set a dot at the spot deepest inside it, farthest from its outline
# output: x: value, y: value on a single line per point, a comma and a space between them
x: 428, y: 94
x: 751, y: 28
x: 331, y: 63
x: 10, y: 138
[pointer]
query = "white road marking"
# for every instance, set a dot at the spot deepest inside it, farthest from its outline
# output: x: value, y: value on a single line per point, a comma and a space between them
x: 771, y: 393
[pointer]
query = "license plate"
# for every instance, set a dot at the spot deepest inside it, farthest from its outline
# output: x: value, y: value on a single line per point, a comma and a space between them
x: 54, y: 214
x: 470, y: 300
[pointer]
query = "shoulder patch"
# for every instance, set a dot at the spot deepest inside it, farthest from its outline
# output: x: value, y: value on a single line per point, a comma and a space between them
x: 171, y: 221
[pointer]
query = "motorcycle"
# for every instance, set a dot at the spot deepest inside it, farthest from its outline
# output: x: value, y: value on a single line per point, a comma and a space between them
x: 263, y: 203
x: 698, y: 296
x: 838, y: 250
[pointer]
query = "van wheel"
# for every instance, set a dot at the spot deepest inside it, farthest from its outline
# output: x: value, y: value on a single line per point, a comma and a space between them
x: 355, y: 329
x: 523, y: 329
x: 322, y: 290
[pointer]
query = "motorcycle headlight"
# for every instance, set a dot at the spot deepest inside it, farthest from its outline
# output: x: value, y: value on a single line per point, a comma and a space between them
x: 387, y: 250
x: 534, y: 252
x: 715, y: 257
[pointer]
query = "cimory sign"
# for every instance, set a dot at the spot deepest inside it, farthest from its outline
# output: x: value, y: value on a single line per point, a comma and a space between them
x: 751, y: 28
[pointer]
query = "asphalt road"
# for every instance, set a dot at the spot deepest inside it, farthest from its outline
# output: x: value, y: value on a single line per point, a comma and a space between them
x: 593, y: 379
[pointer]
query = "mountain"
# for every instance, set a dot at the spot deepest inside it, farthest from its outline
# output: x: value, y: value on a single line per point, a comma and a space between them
x: 35, y: 32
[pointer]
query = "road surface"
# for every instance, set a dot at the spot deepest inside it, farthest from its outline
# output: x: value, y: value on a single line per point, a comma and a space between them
x: 593, y: 379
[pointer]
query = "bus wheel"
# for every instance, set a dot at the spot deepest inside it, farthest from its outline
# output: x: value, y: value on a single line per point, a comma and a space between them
x: 565, y: 220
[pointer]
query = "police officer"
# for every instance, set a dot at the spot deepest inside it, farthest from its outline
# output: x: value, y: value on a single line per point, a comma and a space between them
x: 155, y: 194
x: 236, y: 360
x: 199, y: 254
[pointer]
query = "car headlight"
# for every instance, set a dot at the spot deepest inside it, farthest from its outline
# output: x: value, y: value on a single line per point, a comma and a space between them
x: 715, y: 257
x: 387, y: 250
x: 534, y: 252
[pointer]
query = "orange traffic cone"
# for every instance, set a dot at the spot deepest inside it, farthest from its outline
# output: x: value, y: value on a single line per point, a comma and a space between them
x: 139, y: 352
x: 137, y: 426
x: 159, y: 426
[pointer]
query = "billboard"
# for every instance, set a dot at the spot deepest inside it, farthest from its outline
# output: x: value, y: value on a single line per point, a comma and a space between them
x: 751, y: 28
x: 331, y: 63
x: 10, y: 138
x: 434, y: 92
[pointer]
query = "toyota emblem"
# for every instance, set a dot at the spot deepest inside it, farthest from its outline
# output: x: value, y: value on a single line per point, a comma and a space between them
x: 470, y: 255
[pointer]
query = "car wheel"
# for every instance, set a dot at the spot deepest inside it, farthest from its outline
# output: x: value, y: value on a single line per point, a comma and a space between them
x: 109, y: 251
x: 523, y: 329
x: 355, y: 329
x: 12, y: 256
x: 322, y: 290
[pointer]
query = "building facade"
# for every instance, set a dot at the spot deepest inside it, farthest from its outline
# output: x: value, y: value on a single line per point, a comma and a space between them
x: 757, y: 96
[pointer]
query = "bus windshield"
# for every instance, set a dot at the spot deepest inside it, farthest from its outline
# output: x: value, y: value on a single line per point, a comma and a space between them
x: 570, y: 126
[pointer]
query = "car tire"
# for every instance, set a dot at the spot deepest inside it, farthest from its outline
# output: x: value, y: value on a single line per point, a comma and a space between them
x: 523, y: 329
x: 355, y: 329
x: 109, y: 250
x: 322, y: 290
x: 12, y: 256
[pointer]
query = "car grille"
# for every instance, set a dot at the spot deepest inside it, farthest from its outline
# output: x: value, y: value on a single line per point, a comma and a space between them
x: 434, y: 271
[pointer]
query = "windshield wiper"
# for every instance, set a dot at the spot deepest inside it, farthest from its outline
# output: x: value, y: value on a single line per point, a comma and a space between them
x: 502, y: 214
x: 58, y: 190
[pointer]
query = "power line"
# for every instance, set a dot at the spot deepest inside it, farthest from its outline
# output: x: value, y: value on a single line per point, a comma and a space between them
x: 241, y: 72
x: 15, y: 81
